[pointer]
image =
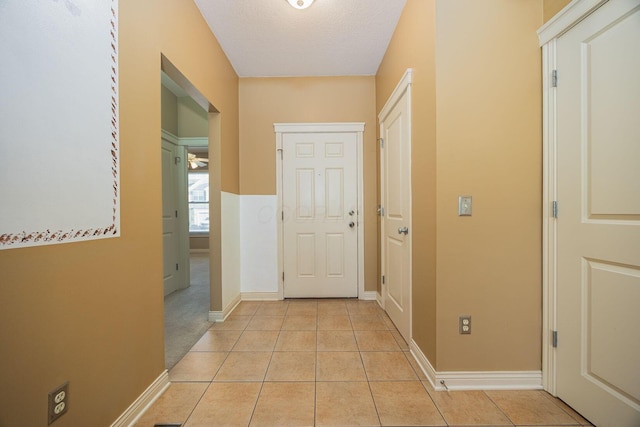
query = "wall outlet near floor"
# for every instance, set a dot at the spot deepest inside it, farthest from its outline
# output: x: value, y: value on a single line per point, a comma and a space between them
x: 58, y: 402
x: 464, y: 324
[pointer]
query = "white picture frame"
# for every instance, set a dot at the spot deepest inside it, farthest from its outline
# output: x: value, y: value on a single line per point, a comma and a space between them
x: 59, y: 122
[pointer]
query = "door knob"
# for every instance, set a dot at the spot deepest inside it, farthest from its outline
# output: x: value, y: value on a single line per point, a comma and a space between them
x: 403, y: 230
x: 352, y: 224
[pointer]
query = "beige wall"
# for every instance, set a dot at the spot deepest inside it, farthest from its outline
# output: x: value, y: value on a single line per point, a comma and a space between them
x: 476, y: 131
x: 92, y: 313
x: 488, y: 96
x: 551, y: 7
x: 413, y: 46
x: 265, y: 101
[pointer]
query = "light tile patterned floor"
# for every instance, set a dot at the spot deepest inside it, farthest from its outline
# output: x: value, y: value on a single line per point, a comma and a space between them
x: 326, y: 363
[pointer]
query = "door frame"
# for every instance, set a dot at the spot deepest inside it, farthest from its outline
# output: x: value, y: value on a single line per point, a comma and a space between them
x: 403, y: 88
x: 548, y: 34
x: 348, y: 127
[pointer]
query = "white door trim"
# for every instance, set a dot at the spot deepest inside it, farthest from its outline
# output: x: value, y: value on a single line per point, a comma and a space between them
x: 358, y: 129
x: 564, y: 20
x: 397, y: 93
x: 548, y: 34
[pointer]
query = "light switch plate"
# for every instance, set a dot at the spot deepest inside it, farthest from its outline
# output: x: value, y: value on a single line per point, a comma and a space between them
x: 464, y: 206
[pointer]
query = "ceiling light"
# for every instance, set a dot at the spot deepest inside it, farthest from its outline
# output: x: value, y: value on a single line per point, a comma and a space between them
x: 300, y: 4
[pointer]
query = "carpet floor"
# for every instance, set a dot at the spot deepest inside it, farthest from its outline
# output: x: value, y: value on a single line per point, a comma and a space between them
x: 186, y: 312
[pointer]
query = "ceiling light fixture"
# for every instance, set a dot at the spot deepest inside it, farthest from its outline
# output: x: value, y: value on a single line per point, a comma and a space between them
x: 300, y: 4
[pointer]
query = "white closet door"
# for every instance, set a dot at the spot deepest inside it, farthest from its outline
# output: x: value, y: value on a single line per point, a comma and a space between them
x: 598, y: 226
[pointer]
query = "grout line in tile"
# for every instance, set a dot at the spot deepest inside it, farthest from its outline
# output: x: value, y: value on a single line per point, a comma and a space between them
x: 366, y: 374
x: 433, y: 401
x: 415, y: 369
x: 255, y: 405
x: 406, y: 353
x: 315, y: 399
x: 374, y: 403
x: 264, y: 378
x: 553, y: 400
x: 499, y: 408
x: 315, y: 391
x: 198, y: 402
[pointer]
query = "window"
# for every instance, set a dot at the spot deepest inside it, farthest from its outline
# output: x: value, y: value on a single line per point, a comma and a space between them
x: 198, y: 201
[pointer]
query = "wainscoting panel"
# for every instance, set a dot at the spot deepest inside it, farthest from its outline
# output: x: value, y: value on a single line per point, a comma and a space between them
x: 259, y: 243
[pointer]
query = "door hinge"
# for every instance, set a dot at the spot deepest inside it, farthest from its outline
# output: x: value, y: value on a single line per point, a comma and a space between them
x: 177, y: 160
x: 282, y: 215
x: 554, y: 78
x: 554, y: 339
x: 283, y: 276
x: 281, y: 151
x: 177, y: 267
x: 176, y: 214
x: 380, y: 210
x: 554, y: 209
x: 381, y: 142
x: 383, y: 280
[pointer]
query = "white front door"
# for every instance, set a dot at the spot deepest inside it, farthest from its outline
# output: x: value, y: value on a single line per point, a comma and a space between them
x: 170, y: 230
x: 598, y: 225
x: 320, y: 207
x: 395, y: 159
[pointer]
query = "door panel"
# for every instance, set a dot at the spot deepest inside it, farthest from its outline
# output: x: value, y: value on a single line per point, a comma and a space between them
x: 305, y: 190
x: 395, y: 253
x: 319, y: 192
x: 335, y: 255
x: 306, y: 255
x: 334, y: 193
x: 396, y: 200
x: 598, y: 264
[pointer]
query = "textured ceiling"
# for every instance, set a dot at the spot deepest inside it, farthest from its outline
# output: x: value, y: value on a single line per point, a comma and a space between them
x: 269, y: 38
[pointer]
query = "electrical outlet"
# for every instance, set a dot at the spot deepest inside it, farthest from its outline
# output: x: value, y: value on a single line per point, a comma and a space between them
x: 58, y: 402
x: 464, y: 324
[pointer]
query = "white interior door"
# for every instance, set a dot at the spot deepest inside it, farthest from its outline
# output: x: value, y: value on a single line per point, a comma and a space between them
x: 320, y: 206
x: 395, y: 157
x: 598, y: 225
x: 170, y: 230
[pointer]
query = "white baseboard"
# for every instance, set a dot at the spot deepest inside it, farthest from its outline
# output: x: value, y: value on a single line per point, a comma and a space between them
x: 476, y: 380
x: 368, y: 295
x: 261, y: 296
x: 143, y: 402
x: 424, y: 364
x: 277, y: 296
x: 220, y: 316
x: 380, y: 300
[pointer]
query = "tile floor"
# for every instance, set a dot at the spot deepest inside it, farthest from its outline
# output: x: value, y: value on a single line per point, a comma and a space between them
x: 326, y: 363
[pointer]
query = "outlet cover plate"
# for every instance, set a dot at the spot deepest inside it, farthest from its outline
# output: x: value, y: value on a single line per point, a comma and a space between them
x: 464, y: 324
x: 63, y: 399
